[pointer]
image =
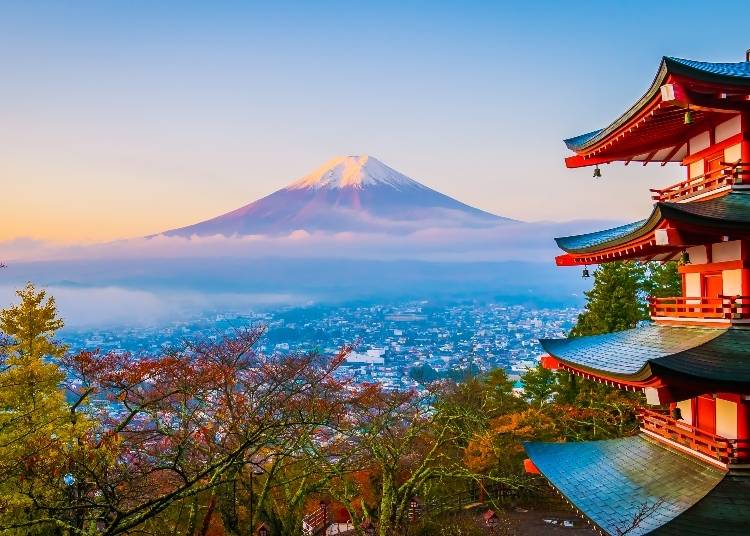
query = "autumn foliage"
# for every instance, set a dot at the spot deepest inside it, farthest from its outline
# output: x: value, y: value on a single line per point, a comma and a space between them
x: 214, y: 438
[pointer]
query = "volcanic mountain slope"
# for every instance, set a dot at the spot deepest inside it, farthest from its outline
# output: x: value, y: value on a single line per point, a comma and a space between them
x: 347, y: 194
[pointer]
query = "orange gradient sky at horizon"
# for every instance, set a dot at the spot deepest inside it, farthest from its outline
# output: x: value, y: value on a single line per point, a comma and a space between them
x: 125, y: 121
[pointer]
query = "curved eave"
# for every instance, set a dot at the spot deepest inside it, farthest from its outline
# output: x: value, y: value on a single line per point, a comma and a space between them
x: 643, y: 377
x: 610, y: 238
x: 610, y: 481
x: 583, y: 142
x: 651, y: 354
x: 725, y: 511
x: 722, y: 74
x: 728, y: 214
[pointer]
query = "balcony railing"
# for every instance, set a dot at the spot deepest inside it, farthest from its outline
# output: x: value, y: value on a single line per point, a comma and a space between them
x: 720, y: 448
x: 315, y: 522
x: 727, y: 175
x: 722, y: 307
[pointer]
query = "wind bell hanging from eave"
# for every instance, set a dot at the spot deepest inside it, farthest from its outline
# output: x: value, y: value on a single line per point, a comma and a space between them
x: 688, y: 116
x: 597, y: 172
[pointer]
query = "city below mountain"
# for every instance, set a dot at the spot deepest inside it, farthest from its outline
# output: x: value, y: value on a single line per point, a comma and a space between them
x: 347, y: 194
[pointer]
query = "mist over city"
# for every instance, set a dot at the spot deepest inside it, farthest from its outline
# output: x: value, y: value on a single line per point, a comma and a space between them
x: 374, y: 268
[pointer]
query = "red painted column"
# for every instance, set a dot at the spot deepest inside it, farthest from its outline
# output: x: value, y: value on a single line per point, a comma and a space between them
x: 694, y: 411
x: 706, y: 406
x: 745, y: 122
x: 743, y: 419
x: 684, y: 286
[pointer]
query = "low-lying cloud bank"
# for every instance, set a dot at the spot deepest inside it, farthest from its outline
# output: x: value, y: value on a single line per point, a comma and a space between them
x: 118, y: 306
x: 157, y: 280
x: 503, y: 242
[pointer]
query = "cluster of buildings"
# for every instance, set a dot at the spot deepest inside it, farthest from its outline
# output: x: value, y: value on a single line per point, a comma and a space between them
x: 399, y: 345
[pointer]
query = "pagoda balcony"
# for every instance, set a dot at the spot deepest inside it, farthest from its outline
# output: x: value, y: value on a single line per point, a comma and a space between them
x: 724, y: 309
x: 681, y: 434
x: 723, y: 178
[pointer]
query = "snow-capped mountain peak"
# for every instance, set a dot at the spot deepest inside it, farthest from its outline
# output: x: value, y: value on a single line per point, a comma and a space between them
x: 353, y: 172
x: 346, y: 194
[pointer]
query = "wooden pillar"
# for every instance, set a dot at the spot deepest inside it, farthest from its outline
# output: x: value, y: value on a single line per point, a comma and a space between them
x: 684, y: 285
x: 743, y: 418
x: 745, y: 272
x: 745, y: 148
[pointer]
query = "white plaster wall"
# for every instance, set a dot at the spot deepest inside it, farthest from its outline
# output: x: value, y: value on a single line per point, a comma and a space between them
x: 728, y: 128
x: 731, y: 282
x: 692, y: 285
x: 726, y: 251
x: 697, y: 255
x: 726, y: 418
x: 697, y: 169
x: 700, y: 142
x: 733, y: 153
x: 686, y: 408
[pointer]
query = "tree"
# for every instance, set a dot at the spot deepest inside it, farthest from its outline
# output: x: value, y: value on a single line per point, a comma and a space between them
x: 615, y: 301
x: 409, y: 444
x: 37, y: 431
x: 539, y: 386
x: 164, y: 434
x: 590, y: 410
x: 662, y: 280
x: 401, y: 442
x: 500, y: 397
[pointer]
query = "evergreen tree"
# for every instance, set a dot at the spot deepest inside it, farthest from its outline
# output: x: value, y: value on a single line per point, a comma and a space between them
x: 35, y: 423
x: 499, y: 394
x: 662, y: 280
x: 615, y: 302
x: 539, y: 385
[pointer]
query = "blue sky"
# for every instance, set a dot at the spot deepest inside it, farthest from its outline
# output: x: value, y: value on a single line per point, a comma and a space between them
x: 123, y: 119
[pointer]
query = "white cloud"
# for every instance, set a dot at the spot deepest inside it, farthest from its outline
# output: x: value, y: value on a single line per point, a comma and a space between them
x: 506, y: 241
x: 112, y: 305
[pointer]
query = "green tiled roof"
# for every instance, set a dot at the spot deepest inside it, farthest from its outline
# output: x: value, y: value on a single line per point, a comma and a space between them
x: 736, y: 74
x: 610, y: 481
x: 725, y: 358
x: 731, y: 211
x: 590, y: 240
x: 725, y: 510
x: 721, y: 355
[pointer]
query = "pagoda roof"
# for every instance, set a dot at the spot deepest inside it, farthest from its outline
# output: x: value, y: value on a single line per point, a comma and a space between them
x: 726, y: 214
x: 636, y: 355
x: 588, y: 242
x: 653, y: 129
x: 730, y: 211
x: 722, y: 511
x: 611, y: 481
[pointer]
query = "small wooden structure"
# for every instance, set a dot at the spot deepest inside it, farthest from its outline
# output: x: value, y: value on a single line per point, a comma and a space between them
x: 490, y: 519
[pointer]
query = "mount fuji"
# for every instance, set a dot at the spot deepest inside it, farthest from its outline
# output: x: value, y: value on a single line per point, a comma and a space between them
x: 346, y: 194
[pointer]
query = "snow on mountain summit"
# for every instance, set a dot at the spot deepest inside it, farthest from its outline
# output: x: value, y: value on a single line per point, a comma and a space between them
x: 346, y: 194
x: 353, y: 172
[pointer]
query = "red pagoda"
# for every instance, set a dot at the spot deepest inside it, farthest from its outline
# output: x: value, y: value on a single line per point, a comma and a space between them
x: 688, y: 471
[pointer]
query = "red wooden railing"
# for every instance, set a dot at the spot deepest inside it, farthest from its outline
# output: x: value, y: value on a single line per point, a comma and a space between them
x: 727, y: 175
x: 726, y: 307
x: 720, y: 448
x: 315, y: 521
